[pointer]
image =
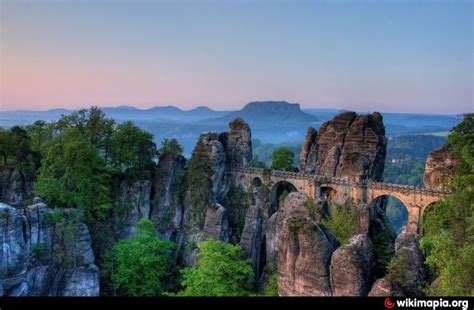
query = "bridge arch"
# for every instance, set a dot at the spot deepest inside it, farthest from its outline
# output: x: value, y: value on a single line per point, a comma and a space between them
x: 395, y: 209
x: 256, y: 182
x: 278, y: 189
x: 327, y: 193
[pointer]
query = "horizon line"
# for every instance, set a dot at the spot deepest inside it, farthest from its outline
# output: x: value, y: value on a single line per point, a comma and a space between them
x: 369, y: 111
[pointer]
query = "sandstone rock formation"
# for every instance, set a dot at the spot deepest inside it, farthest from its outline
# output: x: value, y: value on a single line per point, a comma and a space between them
x: 383, y: 288
x: 238, y: 143
x: 352, y: 267
x: 225, y: 149
x: 304, y: 252
x: 168, y: 191
x: 407, y: 244
x: 40, y: 259
x: 16, y: 186
x: 439, y: 168
x: 133, y: 204
x: 349, y: 146
x: 216, y: 225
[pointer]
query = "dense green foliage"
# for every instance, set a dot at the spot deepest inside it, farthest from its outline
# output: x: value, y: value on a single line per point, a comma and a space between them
x: 132, y: 150
x: 73, y: 175
x: 343, y: 222
x: 282, y: 159
x: 142, y: 265
x: 171, y: 147
x: 398, y: 271
x: 271, y: 288
x: 449, y: 225
x: 199, y: 182
x: 78, y: 157
x: 218, y: 271
x: 263, y: 151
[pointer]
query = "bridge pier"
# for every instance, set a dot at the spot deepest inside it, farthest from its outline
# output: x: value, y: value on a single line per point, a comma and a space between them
x: 413, y: 224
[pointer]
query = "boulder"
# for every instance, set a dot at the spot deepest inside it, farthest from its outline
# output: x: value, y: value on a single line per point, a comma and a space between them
x: 304, y: 252
x: 384, y: 288
x: 352, y: 267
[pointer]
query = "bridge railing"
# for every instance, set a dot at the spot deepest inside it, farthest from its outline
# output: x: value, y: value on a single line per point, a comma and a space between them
x: 336, y: 180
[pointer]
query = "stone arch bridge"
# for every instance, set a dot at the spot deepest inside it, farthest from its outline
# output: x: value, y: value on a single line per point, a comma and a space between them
x: 362, y: 193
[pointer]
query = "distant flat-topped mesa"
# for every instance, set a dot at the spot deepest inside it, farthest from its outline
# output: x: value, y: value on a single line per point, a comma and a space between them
x: 349, y: 146
x: 271, y: 111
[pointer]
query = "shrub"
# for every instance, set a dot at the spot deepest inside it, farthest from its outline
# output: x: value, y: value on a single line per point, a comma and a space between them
x: 343, y: 222
x: 219, y: 271
x: 142, y: 265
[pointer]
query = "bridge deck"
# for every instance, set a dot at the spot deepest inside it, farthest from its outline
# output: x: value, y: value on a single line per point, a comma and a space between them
x: 260, y: 172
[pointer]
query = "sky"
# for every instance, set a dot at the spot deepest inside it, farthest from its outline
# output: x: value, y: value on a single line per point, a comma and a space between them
x: 390, y: 56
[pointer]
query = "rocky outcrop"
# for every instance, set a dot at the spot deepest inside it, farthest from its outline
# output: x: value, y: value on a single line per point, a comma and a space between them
x: 168, y: 192
x: 216, y: 225
x: 16, y: 186
x: 352, y: 267
x: 133, y: 204
x: 251, y: 238
x: 233, y: 147
x: 349, y: 146
x: 439, y: 168
x: 383, y: 288
x: 414, y: 270
x: 45, y: 253
x: 304, y: 252
x: 407, y: 244
x: 238, y: 143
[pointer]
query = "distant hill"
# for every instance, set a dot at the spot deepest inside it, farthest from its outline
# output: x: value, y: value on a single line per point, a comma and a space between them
x: 270, y: 111
x: 120, y: 113
x: 163, y: 113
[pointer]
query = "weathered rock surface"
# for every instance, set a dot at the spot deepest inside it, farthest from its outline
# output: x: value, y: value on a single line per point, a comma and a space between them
x: 383, y: 288
x: 167, y: 203
x: 349, y: 146
x: 238, y: 143
x: 352, y: 267
x: 233, y: 147
x: 304, y: 252
x: 16, y: 186
x: 216, y: 225
x: 439, y: 168
x: 38, y: 259
x: 251, y: 238
x: 133, y: 205
x: 407, y: 244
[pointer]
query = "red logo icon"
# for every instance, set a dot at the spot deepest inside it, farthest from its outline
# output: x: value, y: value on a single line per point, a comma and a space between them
x: 388, y: 303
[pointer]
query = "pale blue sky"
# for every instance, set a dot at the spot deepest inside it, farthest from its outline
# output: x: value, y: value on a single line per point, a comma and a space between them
x: 393, y: 56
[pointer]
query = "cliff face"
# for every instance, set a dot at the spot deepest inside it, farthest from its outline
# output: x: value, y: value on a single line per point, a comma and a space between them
x: 349, y: 146
x: 439, y: 168
x: 16, y: 186
x: 41, y: 258
x: 304, y: 252
x: 233, y: 147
